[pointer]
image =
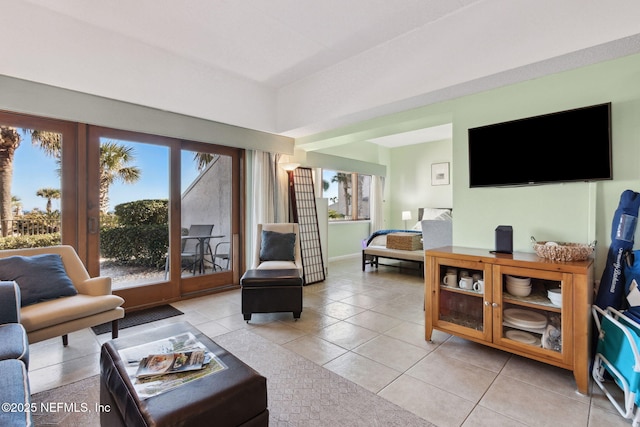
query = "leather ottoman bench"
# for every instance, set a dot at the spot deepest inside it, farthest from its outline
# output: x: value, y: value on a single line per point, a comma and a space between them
x: 271, y: 291
x: 236, y: 396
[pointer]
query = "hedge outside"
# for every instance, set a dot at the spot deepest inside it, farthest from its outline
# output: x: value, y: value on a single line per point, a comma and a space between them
x: 140, y: 245
x: 35, y: 241
x: 139, y: 212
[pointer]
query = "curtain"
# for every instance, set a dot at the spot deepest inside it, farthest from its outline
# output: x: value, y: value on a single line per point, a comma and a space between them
x: 270, y: 189
x: 269, y: 192
x: 377, y: 203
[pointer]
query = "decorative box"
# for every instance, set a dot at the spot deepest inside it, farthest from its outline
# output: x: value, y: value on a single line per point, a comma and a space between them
x: 404, y: 241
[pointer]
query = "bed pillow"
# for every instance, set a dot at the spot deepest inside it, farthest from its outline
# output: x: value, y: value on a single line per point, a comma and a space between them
x: 444, y: 216
x: 276, y: 246
x: 40, y: 277
x: 432, y: 213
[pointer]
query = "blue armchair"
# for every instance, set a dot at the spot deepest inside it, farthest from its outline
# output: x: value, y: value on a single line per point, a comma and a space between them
x: 14, y: 357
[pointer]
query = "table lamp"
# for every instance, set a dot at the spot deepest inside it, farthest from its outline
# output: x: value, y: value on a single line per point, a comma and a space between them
x: 406, y: 216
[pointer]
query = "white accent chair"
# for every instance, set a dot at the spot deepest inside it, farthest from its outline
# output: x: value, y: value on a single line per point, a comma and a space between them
x: 259, y: 264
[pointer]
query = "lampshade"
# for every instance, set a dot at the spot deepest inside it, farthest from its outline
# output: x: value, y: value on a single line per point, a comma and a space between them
x: 406, y: 215
x: 289, y: 166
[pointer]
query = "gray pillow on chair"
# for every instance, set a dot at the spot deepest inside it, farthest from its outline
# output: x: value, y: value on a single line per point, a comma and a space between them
x: 40, y: 277
x: 276, y: 246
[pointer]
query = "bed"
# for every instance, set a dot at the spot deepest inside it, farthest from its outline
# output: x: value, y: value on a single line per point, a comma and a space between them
x: 434, y: 226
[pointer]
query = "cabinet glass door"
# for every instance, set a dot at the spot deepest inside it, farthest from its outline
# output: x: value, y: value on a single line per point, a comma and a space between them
x: 531, y: 315
x: 460, y: 298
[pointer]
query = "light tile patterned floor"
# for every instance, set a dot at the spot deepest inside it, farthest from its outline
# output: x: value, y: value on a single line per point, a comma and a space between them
x: 369, y: 328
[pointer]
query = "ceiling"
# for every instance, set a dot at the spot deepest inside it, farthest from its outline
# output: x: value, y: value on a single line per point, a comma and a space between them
x: 300, y: 67
x: 272, y: 42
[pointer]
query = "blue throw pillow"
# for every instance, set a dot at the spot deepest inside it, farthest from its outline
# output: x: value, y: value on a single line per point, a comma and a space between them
x: 40, y: 277
x: 277, y: 246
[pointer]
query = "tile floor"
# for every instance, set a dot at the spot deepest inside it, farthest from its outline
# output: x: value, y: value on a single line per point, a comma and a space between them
x: 369, y: 328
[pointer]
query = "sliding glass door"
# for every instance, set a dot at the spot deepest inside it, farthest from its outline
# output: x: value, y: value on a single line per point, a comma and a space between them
x: 164, y: 210
x: 160, y: 216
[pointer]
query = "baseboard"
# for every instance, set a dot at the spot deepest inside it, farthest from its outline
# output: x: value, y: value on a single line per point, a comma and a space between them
x: 344, y: 257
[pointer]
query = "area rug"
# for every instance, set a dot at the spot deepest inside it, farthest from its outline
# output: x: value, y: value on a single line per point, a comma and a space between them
x: 299, y: 392
x: 140, y: 317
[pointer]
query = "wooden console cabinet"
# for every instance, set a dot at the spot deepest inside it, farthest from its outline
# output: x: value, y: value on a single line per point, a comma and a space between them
x: 530, y: 326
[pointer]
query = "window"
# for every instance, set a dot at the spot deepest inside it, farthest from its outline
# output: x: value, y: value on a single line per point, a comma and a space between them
x: 340, y: 188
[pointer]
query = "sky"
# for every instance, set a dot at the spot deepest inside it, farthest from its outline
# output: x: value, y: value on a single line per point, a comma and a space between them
x: 33, y: 170
x: 332, y: 191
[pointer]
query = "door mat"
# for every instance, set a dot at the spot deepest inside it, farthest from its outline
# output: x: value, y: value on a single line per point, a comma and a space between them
x: 140, y: 317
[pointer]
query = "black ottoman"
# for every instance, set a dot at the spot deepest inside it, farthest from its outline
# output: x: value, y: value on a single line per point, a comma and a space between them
x: 236, y: 396
x: 271, y: 291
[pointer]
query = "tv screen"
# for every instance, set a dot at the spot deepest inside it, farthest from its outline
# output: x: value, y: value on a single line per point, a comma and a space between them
x: 566, y: 146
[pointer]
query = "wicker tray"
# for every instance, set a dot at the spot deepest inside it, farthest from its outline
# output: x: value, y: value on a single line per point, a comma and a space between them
x: 560, y: 251
x: 404, y: 241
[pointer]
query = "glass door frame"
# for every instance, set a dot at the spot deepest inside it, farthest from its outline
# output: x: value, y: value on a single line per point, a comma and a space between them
x: 144, y: 295
x: 79, y: 204
x: 175, y: 287
x: 225, y: 279
x: 69, y: 202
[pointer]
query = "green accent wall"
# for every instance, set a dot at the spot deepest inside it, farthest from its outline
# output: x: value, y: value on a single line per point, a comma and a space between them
x: 410, y: 182
x: 345, y: 238
x: 574, y: 212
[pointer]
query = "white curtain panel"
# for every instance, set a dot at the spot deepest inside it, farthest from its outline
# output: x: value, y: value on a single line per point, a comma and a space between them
x: 377, y: 200
x: 263, y: 188
x: 270, y: 189
x: 282, y: 192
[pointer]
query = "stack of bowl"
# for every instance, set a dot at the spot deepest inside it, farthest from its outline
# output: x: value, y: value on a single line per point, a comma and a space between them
x: 518, y: 286
x: 555, y: 296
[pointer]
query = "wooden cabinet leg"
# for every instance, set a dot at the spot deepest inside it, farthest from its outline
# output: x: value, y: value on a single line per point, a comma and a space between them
x: 582, y: 381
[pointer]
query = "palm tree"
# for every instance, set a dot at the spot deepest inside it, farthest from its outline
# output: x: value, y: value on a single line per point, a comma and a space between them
x: 203, y: 159
x: 49, y: 142
x: 114, y: 159
x: 48, y: 193
x: 16, y: 205
x: 9, y: 143
x: 345, y: 180
x: 114, y: 166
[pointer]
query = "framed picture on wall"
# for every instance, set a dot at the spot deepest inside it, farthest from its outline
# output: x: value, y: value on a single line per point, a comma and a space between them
x: 440, y: 173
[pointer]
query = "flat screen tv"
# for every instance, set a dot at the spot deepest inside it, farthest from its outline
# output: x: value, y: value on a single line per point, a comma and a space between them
x: 566, y: 146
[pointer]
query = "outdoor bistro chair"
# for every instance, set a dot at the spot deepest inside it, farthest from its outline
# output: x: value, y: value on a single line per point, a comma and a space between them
x: 195, y: 248
x: 221, y: 253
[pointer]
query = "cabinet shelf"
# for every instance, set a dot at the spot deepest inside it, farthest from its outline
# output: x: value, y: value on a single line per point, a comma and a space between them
x: 535, y: 300
x: 462, y: 291
x: 480, y: 316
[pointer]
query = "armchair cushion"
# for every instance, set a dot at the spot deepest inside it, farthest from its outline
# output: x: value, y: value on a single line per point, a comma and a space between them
x: 277, y: 246
x: 15, y: 344
x: 40, y: 277
x: 9, y: 302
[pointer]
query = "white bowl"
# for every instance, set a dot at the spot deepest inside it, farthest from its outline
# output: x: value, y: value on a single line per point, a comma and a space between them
x: 518, y: 291
x: 519, y: 285
x: 555, y: 295
x: 519, y: 280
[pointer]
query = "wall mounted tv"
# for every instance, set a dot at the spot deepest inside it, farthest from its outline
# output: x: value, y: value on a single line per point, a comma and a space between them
x: 566, y: 146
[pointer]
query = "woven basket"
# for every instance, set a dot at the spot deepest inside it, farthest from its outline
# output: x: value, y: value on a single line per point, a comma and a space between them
x: 404, y: 241
x: 563, y: 251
